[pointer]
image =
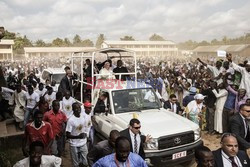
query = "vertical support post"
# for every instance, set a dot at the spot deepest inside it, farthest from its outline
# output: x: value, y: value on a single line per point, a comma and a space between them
x: 81, y: 78
x: 12, y: 58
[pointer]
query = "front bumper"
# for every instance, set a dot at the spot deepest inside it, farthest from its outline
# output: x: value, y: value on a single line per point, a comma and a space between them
x: 165, y: 157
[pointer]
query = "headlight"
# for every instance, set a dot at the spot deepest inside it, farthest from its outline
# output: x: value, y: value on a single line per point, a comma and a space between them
x: 152, y: 144
x: 197, y: 134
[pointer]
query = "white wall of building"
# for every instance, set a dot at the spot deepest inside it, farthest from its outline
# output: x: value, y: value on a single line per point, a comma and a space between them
x: 6, y: 49
x: 146, y: 48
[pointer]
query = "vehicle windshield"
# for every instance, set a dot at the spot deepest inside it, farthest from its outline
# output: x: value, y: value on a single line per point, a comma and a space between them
x: 135, y: 100
x: 57, y: 77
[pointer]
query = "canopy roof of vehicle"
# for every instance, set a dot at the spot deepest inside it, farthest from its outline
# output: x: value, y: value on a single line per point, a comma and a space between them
x: 106, y: 50
x: 55, y: 70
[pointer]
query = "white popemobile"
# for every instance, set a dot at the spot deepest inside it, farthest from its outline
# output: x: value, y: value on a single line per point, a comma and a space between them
x: 174, y: 137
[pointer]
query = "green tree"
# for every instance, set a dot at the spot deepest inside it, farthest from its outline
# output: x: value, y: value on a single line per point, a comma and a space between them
x: 99, y: 41
x: 49, y: 45
x: 77, y: 39
x: 87, y: 43
x: 127, y: 38
x: 58, y: 42
x: 9, y: 35
x: 18, y: 43
x: 215, y: 42
x: 188, y: 45
x: 40, y: 43
x: 225, y: 40
x: 204, y: 43
x: 156, y: 37
x: 27, y: 42
x: 21, y: 42
x: 67, y: 42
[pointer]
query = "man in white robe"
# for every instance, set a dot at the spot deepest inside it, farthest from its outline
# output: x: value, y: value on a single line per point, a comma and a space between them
x: 20, y: 101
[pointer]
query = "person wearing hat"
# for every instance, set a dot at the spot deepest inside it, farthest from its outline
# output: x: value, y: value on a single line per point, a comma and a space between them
x: 190, y: 97
x: 87, y: 115
x: 194, y: 109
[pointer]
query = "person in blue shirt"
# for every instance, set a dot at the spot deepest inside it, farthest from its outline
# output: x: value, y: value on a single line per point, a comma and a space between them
x: 190, y: 97
x: 122, y: 156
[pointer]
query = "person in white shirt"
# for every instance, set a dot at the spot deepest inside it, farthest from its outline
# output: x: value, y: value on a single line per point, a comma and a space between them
x: 135, y: 137
x: 19, y: 99
x: 228, y: 72
x: 150, y: 96
x: 41, y: 90
x: 32, y: 99
x: 245, y: 72
x: 194, y: 109
x: 87, y: 114
x: 216, y: 70
x: 66, y: 103
x: 50, y: 96
x: 13, y: 71
x: 77, y: 135
x: 221, y: 94
x: 106, y: 72
x: 37, y: 159
x: 54, y: 86
x: 229, y: 154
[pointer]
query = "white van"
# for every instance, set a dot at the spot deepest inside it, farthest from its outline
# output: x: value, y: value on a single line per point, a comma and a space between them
x: 52, y: 74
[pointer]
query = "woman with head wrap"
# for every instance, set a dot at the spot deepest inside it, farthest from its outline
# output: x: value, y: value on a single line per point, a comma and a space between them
x: 194, y: 109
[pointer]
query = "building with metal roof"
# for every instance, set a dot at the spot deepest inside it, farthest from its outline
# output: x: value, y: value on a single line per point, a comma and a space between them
x: 146, y: 48
x: 242, y: 50
x: 53, y: 51
x: 6, y: 49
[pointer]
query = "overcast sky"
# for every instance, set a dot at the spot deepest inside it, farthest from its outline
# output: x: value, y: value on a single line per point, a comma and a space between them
x: 176, y: 20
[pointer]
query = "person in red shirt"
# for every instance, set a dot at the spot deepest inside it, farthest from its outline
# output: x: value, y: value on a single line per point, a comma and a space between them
x: 43, y: 105
x: 38, y: 130
x: 58, y: 120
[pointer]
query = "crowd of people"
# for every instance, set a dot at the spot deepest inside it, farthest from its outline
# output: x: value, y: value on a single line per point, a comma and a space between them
x: 216, y: 96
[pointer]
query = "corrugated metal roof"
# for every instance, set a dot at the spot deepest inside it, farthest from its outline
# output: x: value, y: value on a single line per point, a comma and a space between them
x: 56, y: 49
x: 215, y: 48
x: 139, y: 42
x: 6, y: 42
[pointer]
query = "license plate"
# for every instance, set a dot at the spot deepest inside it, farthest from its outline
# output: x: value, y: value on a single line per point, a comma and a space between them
x: 179, y: 155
